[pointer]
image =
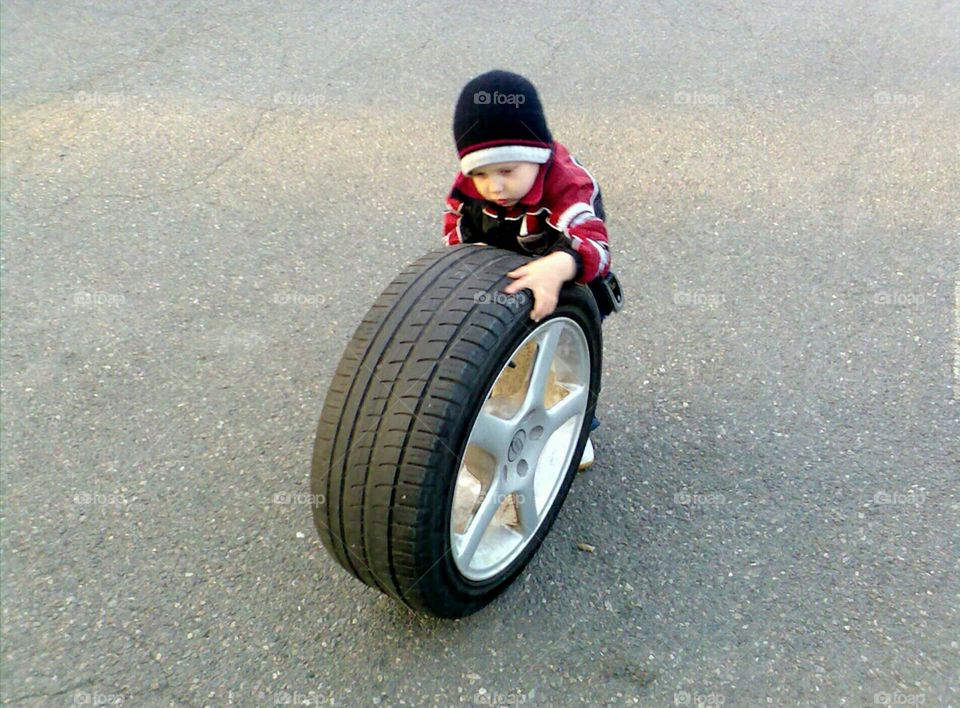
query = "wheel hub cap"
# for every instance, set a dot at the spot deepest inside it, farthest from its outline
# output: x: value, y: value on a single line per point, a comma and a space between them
x: 516, y: 445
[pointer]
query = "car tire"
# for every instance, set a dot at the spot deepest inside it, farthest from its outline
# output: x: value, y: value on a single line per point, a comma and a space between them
x: 422, y: 389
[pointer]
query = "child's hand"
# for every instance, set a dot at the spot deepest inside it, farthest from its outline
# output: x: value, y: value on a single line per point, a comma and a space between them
x: 544, y: 276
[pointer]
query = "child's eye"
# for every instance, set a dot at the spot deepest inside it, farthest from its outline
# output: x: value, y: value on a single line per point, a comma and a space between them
x: 505, y: 172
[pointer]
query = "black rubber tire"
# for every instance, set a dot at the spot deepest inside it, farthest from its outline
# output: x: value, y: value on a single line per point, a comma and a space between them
x: 397, y: 414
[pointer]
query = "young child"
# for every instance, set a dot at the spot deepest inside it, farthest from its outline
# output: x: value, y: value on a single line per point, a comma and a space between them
x: 521, y: 190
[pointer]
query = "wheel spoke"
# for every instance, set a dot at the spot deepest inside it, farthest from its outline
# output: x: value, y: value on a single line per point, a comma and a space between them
x: 526, y: 502
x: 491, y: 433
x: 566, y: 408
x: 478, y: 526
x: 546, y: 349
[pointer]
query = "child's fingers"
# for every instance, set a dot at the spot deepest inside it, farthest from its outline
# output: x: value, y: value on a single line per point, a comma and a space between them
x: 516, y: 286
x: 535, y: 312
x: 542, y: 307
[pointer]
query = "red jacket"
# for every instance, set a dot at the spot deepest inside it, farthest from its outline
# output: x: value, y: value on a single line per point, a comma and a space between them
x: 562, y: 211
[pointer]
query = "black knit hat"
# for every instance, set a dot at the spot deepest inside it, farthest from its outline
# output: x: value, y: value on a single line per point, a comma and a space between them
x: 499, y: 118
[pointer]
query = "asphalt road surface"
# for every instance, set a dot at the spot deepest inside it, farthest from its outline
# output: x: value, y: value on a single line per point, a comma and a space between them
x: 200, y: 201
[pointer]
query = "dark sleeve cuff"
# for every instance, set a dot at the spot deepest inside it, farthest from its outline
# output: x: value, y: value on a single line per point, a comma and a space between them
x: 577, y: 258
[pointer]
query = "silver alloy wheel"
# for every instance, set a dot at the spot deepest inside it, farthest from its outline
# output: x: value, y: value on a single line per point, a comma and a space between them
x: 520, y: 448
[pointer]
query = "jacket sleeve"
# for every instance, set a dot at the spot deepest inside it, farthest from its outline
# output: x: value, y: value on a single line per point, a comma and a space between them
x: 455, y: 228
x: 588, y: 237
x: 576, y: 217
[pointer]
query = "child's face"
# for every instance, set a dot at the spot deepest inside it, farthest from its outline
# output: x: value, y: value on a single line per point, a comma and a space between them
x: 505, y: 183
